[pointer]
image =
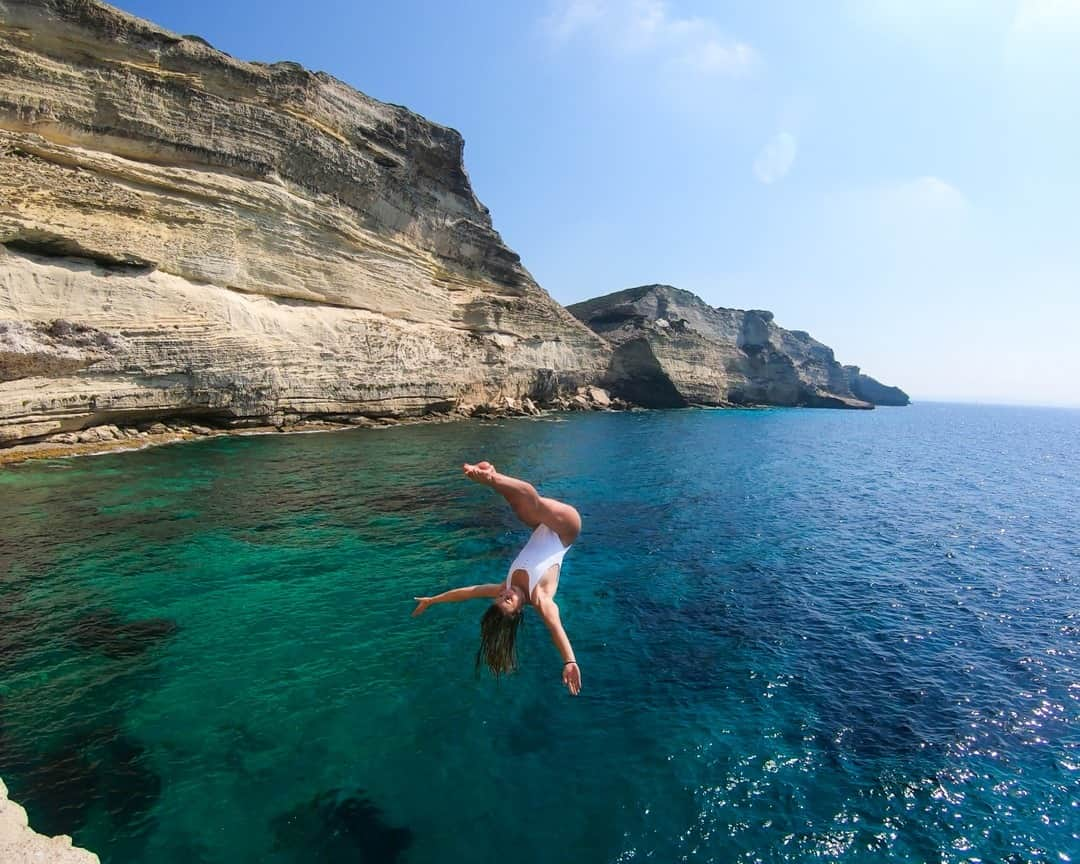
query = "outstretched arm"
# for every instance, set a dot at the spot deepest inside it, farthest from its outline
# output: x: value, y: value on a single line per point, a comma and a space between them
x: 456, y: 595
x: 571, y: 675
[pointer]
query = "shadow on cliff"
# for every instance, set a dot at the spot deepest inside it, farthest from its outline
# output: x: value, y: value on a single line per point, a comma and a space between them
x: 49, y: 245
x: 635, y: 375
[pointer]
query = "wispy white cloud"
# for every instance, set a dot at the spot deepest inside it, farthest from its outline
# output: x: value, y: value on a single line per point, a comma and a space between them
x: 649, y: 28
x: 907, y: 231
x: 776, y: 158
x: 897, y: 217
x: 922, y: 194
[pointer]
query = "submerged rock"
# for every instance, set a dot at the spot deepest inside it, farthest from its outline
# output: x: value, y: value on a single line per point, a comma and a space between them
x: 17, y: 631
x: 60, y: 789
x: 105, y: 631
x: 103, y: 768
x: 336, y: 826
x: 129, y: 788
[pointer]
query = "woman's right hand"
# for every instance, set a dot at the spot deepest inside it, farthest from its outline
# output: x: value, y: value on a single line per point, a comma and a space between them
x: 571, y: 677
x: 421, y: 604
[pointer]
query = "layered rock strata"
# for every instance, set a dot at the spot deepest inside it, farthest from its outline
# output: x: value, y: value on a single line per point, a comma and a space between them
x: 672, y: 349
x: 21, y: 845
x: 184, y: 233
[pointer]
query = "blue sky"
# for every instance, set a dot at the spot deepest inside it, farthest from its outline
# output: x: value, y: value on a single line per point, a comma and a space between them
x: 900, y: 178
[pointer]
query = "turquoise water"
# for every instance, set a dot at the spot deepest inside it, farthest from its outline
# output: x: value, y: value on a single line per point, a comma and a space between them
x: 804, y: 635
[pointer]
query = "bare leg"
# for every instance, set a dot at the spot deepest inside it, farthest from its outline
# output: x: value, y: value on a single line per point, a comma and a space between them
x: 527, y: 503
x: 522, y: 497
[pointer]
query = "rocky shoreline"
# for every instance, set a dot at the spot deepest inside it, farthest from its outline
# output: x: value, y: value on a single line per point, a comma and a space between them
x: 20, y: 844
x: 109, y: 438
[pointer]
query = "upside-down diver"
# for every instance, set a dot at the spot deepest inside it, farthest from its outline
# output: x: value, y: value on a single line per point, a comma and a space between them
x: 532, y: 580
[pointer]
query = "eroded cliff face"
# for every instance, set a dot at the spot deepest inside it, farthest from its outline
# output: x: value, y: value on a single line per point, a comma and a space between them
x: 673, y: 349
x: 186, y: 233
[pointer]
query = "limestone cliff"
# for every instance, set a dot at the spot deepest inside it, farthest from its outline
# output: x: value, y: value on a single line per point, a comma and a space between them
x: 673, y: 349
x: 186, y: 233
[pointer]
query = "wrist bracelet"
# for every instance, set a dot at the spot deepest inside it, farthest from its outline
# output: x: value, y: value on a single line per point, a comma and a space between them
x: 568, y: 662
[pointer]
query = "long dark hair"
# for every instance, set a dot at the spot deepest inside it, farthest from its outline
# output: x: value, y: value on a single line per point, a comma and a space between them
x: 498, y: 640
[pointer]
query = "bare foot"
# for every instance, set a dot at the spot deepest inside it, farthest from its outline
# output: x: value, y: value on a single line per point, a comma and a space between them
x: 481, y: 472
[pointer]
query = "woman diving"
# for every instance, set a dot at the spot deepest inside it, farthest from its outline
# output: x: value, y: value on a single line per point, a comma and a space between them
x: 533, y: 577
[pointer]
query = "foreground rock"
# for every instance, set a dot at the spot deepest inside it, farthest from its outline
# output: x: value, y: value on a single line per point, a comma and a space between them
x: 20, y: 845
x: 188, y: 234
x: 672, y: 349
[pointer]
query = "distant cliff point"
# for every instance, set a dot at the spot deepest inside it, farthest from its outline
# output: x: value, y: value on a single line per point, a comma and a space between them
x: 670, y: 348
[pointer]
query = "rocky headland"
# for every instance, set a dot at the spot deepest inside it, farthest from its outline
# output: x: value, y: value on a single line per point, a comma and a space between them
x: 199, y: 242
x: 671, y: 349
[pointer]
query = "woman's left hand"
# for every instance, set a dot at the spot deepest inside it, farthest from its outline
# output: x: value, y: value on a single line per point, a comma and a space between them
x: 571, y: 677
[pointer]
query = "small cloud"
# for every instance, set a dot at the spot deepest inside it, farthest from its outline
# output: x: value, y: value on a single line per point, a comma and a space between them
x: 913, y: 199
x: 643, y: 23
x: 924, y: 193
x: 569, y: 18
x: 776, y: 158
x: 721, y: 56
x: 649, y: 28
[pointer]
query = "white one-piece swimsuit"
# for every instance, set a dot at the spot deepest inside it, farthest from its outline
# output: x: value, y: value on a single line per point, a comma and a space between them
x: 540, y: 554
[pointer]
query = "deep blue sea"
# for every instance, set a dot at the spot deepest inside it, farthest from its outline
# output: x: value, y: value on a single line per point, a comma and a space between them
x: 804, y: 636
